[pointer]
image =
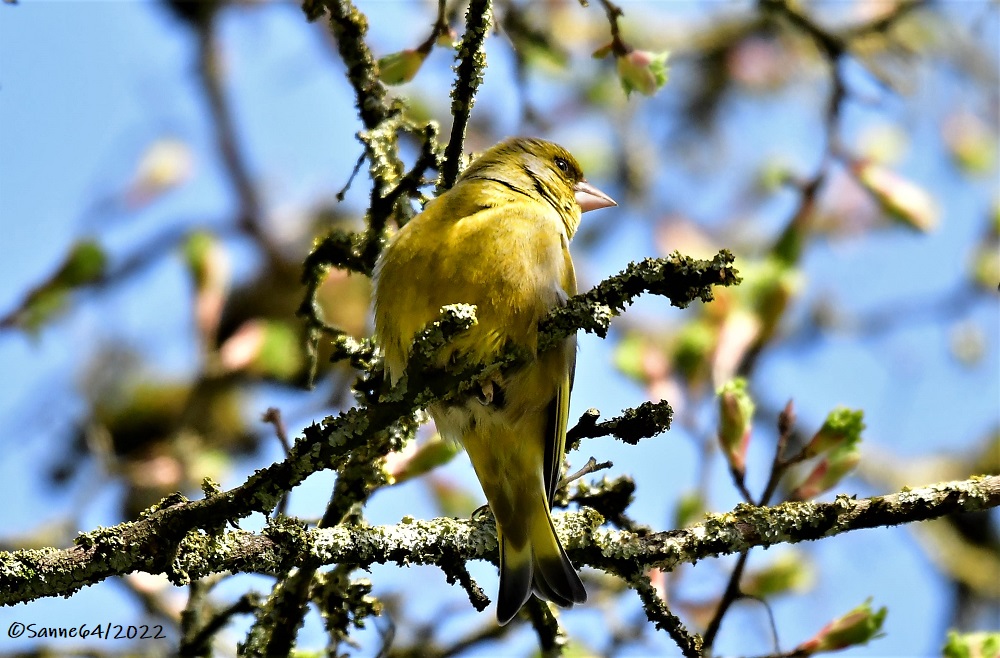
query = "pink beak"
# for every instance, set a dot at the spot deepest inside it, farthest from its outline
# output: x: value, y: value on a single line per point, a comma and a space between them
x: 591, y: 198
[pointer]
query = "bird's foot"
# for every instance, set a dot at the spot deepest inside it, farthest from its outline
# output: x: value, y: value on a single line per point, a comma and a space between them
x: 481, y: 512
x: 491, y: 391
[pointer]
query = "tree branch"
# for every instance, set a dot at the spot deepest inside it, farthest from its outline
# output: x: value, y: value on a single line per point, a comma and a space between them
x: 151, y: 543
x: 471, y: 64
x: 26, y: 575
x: 659, y: 614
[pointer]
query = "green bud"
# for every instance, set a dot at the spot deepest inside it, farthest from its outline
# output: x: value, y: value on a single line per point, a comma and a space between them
x: 986, y: 266
x: 199, y: 251
x: 412, y: 462
x: 266, y: 348
x: 857, y: 627
x: 84, y: 264
x: 972, y: 645
x: 788, y: 572
x: 397, y: 68
x: 736, y: 410
x: 690, y: 508
x: 842, y: 426
x: 692, y: 349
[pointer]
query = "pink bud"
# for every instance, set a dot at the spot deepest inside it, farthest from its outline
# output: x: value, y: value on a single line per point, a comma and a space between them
x: 829, y: 471
x: 642, y: 71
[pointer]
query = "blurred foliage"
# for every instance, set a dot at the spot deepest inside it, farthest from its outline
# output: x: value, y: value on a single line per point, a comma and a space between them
x: 788, y: 573
x: 972, y: 645
x: 688, y: 165
x: 84, y: 265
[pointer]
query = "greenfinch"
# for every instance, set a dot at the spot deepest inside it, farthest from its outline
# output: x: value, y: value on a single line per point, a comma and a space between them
x: 499, y: 239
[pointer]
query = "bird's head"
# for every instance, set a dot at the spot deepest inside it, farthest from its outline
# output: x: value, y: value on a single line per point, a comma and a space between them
x: 542, y: 169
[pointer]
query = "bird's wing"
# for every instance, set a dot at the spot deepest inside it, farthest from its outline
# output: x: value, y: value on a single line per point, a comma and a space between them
x: 557, y: 417
x: 558, y: 410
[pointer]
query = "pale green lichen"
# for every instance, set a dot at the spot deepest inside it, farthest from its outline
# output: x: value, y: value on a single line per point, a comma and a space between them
x: 122, y: 549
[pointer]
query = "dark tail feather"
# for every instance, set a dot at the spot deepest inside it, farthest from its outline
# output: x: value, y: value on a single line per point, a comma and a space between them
x: 540, y: 566
x: 516, y: 569
x: 555, y: 579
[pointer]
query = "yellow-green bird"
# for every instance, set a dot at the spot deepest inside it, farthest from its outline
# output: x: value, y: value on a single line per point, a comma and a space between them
x: 499, y: 239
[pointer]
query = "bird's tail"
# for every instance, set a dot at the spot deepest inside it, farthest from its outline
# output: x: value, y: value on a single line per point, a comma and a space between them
x: 536, y: 564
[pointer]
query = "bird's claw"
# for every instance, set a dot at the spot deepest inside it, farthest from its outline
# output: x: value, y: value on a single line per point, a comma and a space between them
x: 491, y: 389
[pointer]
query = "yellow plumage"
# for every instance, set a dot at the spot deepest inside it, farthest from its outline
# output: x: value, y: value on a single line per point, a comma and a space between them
x: 499, y: 239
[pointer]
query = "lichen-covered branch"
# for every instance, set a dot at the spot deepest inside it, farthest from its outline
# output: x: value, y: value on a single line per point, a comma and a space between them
x: 552, y: 639
x: 281, y: 545
x: 469, y: 75
x: 679, y: 278
x: 349, y: 27
x: 645, y: 421
x: 150, y: 543
x: 660, y: 616
x: 381, y: 119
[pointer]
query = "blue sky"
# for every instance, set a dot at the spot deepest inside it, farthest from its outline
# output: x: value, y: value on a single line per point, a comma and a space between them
x: 86, y: 87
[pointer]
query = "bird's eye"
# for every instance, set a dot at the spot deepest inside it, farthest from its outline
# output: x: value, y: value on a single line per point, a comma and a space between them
x: 563, y: 165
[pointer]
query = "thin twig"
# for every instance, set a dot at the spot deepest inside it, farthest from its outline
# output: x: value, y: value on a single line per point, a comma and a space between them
x: 273, y: 417
x: 350, y: 179
x: 491, y: 631
x: 739, y: 479
x: 471, y: 63
x: 779, y: 465
x: 770, y: 619
x: 618, y: 46
x: 729, y: 597
x: 201, y: 640
x: 592, y: 466
x: 732, y: 593
x: 209, y: 74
